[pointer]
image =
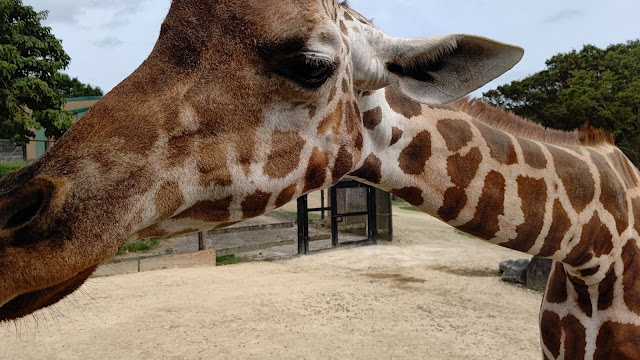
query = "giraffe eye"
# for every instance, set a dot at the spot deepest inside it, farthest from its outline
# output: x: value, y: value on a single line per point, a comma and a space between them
x: 310, y: 71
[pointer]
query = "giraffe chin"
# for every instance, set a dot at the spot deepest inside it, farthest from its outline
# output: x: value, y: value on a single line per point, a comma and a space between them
x: 25, y: 304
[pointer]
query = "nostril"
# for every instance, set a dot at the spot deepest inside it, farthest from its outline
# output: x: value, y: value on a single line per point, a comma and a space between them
x: 22, y: 205
x: 21, y: 210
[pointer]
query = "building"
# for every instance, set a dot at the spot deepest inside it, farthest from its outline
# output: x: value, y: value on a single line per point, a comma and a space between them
x: 78, y: 107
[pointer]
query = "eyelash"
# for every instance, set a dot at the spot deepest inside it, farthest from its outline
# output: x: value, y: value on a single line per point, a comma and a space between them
x: 307, y: 70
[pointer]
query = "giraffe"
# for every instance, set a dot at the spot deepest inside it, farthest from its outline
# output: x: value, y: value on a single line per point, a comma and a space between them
x: 243, y: 106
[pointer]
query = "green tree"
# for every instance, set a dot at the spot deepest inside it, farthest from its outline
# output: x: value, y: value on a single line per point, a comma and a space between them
x: 30, y: 58
x: 74, y: 88
x: 598, y: 86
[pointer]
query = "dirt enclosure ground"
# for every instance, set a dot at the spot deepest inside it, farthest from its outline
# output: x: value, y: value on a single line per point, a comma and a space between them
x: 432, y: 294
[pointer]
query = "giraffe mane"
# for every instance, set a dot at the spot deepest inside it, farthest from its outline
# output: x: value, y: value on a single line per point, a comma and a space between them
x: 507, y: 121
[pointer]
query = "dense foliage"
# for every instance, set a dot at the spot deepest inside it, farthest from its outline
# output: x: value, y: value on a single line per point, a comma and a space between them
x: 598, y: 86
x: 74, y: 88
x: 32, y: 90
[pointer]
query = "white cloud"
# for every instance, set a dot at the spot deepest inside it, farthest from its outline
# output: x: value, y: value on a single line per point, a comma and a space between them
x: 563, y: 15
x: 72, y: 12
x: 110, y: 41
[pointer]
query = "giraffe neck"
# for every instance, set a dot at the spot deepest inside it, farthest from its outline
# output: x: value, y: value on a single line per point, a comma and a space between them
x: 574, y: 204
x: 579, y: 205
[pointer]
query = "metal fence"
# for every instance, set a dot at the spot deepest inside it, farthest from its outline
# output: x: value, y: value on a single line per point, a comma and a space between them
x: 270, y: 236
x: 10, y: 152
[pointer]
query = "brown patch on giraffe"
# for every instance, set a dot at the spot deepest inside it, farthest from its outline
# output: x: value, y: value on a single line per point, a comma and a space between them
x: 415, y: 156
x: 462, y: 170
x: 208, y: 211
x: 180, y: 148
x: 617, y: 341
x: 613, y: 197
x: 584, y: 299
x: 343, y: 164
x: 556, y: 292
x: 372, y: 118
x: 347, y: 16
x: 284, y: 158
x: 359, y: 142
x: 551, y: 332
x: 575, y: 176
x: 316, y: 170
x: 245, y: 148
x: 168, y: 199
x: 532, y: 153
x: 286, y: 195
x: 345, y: 86
x: 365, y: 93
x: 371, y: 170
x: 560, y: 224
x: 212, y: 165
x: 396, y: 135
x: 353, y: 119
x: 631, y: 285
x: 490, y: 206
x: 456, y: 133
x: 500, y: 144
x: 255, y: 204
x: 332, y: 121
x: 343, y: 28
x: 152, y: 231
x: 401, y: 104
x: 412, y: 195
x: 635, y: 207
x: 624, y: 168
x: 312, y: 111
x: 575, y: 338
x: 596, y: 240
x: 345, y: 42
x: 532, y: 192
x: 606, y: 290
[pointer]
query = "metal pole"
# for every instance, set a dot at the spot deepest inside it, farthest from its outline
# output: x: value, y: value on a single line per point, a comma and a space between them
x: 322, y: 204
x: 333, y: 195
x: 303, y: 226
x: 372, y: 214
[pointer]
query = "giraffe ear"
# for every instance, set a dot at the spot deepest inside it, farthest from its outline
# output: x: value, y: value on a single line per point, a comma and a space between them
x: 440, y: 69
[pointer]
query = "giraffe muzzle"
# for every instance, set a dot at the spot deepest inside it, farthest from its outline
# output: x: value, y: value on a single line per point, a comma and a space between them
x: 35, y: 271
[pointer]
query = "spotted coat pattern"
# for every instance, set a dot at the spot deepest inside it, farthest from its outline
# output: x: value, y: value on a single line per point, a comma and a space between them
x: 578, y: 204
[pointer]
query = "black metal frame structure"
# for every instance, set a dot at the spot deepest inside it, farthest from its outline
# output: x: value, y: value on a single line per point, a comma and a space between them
x: 337, y: 217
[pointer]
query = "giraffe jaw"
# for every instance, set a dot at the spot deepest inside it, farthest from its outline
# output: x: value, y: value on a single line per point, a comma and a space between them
x: 27, y: 303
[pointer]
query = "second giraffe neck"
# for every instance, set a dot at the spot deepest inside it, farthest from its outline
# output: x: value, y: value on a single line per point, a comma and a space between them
x: 574, y: 204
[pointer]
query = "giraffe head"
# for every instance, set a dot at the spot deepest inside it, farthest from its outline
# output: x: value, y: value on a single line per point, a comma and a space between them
x: 241, y: 107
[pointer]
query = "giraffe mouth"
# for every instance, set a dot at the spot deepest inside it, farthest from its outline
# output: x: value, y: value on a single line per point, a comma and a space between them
x: 25, y: 304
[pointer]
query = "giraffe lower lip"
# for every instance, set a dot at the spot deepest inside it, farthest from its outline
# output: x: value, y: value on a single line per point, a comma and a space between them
x: 25, y: 304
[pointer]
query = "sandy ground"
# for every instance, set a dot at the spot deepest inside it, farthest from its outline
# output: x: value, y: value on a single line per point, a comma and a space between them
x: 432, y: 294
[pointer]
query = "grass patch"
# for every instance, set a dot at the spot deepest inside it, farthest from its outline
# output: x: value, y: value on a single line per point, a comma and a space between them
x: 230, y: 260
x: 6, y: 168
x: 405, y: 205
x: 140, y: 246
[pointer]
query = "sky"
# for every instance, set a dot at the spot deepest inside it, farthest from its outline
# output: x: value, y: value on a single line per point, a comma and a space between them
x: 108, y: 39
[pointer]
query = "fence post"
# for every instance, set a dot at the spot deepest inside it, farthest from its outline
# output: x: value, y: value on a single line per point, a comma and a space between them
x: 201, y: 244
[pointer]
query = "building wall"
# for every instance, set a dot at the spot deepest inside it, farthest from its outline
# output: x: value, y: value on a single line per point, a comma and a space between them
x: 40, y: 144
